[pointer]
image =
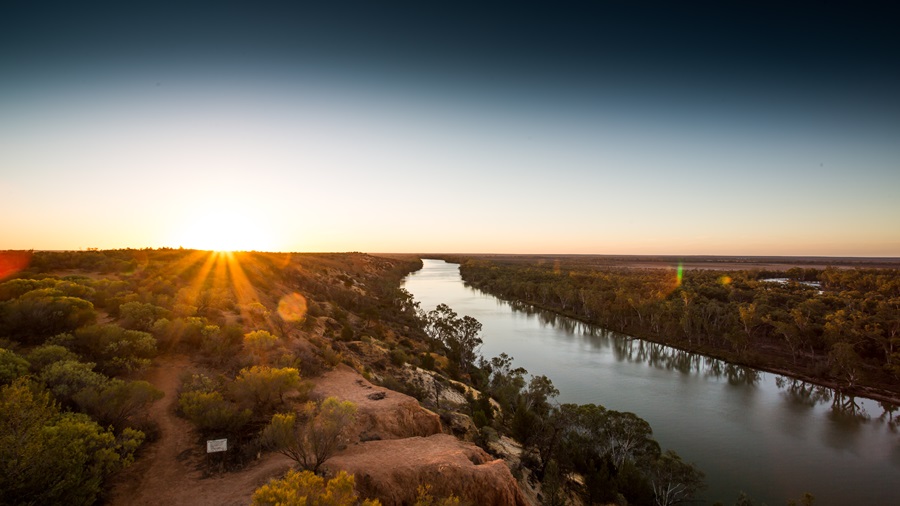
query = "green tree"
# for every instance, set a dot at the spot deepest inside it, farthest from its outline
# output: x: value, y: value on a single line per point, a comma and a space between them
x: 553, y: 486
x: 467, y: 340
x: 314, y: 436
x: 264, y: 387
x: 505, y: 382
x: 259, y: 344
x: 48, y: 457
x: 845, y: 363
x: 461, y: 336
x: 68, y: 377
x: 11, y: 366
x: 210, y: 412
x: 117, y: 402
x: 674, y: 481
x: 115, y: 350
x: 141, y: 316
x: 629, y: 437
x: 41, y: 313
x: 303, y: 488
x: 46, y: 354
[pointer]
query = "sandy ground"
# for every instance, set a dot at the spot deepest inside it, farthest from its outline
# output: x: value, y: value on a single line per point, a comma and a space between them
x: 171, y: 471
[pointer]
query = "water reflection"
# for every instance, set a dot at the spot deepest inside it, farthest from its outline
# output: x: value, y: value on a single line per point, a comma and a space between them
x: 746, y: 432
x: 845, y: 410
x: 633, y: 350
x: 887, y: 416
x: 545, y: 318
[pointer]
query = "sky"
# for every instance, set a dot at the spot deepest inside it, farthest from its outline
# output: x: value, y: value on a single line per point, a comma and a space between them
x: 680, y: 128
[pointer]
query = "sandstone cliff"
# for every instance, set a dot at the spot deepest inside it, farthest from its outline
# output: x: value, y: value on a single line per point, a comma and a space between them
x: 382, y: 413
x: 391, y: 470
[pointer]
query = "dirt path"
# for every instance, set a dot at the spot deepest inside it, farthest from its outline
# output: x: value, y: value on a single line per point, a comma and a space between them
x: 170, y: 472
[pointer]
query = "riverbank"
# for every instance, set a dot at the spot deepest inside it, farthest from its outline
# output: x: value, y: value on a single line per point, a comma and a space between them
x: 870, y: 392
x: 772, y: 437
x: 822, y: 336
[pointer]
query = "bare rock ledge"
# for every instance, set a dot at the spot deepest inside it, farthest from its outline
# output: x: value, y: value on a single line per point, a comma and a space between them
x: 381, y: 413
x: 391, y: 470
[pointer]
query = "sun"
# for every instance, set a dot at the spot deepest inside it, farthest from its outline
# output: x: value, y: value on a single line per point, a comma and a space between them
x: 218, y: 228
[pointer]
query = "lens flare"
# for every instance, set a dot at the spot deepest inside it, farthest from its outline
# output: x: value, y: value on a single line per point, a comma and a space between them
x: 678, y: 274
x: 12, y: 262
x: 292, y: 307
x: 725, y: 280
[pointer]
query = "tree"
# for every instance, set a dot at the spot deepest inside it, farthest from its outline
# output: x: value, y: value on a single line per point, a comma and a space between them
x: 46, y: 354
x: 553, y: 486
x: 259, y: 344
x: 467, y: 341
x: 264, y: 387
x: 505, y: 383
x: 440, y: 323
x: 674, y: 481
x: 303, y: 488
x: 11, y: 366
x: 845, y: 363
x: 314, y: 436
x: 49, y: 457
x: 114, y: 349
x: 68, y: 377
x: 41, y: 313
x: 116, y: 402
x: 212, y: 413
x: 141, y: 316
x: 629, y: 437
x: 459, y: 335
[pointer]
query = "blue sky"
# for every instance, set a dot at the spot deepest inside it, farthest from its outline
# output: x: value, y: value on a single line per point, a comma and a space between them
x: 576, y: 127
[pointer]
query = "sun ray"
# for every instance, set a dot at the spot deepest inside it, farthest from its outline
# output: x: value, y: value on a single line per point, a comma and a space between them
x: 243, y: 289
x: 196, y: 285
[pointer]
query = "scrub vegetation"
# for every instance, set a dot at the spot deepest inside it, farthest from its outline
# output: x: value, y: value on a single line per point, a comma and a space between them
x: 78, y: 330
x: 250, y: 332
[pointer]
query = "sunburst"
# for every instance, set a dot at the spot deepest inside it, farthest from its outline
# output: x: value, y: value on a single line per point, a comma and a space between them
x: 228, y: 271
x: 222, y: 227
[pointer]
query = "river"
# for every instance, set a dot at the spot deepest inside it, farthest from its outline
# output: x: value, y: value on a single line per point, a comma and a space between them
x: 748, y: 430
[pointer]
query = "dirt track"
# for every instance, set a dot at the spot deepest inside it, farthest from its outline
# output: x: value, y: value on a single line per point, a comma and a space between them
x: 170, y: 470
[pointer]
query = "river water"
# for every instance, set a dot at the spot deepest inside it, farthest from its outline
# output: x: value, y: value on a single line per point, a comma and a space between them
x: 748, y: 430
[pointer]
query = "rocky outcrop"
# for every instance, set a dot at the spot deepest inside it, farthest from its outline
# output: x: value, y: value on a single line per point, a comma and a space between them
x: 381, y: 413
x: 439, y: 390
x: 392, y: 470
x: 460, y: 425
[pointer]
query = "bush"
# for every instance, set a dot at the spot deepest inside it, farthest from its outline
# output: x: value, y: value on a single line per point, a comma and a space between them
x: 398, y: 357
x: 264, y: 387
x: 11, y: 366
x: 212, y: 413
x: 315, y: 436
x: 54, y: 457
x: 46, y: 354
x: 114, y: 349
x: 305, y: 488
x: 116, y: 402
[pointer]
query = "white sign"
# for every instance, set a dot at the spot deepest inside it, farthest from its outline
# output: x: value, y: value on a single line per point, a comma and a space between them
x: 216, y: 445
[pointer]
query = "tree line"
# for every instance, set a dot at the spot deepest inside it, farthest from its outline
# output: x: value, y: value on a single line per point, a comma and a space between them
x: 839, y: 326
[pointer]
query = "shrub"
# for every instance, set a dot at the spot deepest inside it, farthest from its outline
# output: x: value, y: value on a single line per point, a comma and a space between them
x: 307, y: 489
x: 312, y: 438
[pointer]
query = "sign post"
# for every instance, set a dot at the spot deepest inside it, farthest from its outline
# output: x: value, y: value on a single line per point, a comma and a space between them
x: 216, y: 445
